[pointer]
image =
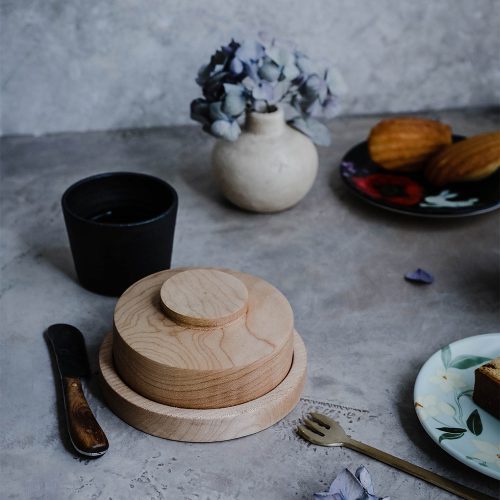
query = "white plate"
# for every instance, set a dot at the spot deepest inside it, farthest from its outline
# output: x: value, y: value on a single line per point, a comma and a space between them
x: 444, y: 405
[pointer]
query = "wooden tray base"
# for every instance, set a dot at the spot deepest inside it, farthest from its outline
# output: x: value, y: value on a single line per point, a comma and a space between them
x: 199, y: 426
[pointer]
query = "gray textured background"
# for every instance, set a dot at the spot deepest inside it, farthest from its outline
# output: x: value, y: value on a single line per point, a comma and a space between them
x: 68, y: 65
x: 338, y: 260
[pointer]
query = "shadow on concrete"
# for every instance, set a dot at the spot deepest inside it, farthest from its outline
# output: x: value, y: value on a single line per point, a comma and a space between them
x: 59, y: 258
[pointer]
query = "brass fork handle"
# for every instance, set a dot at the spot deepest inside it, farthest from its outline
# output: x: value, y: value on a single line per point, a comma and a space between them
x: 414, y: 470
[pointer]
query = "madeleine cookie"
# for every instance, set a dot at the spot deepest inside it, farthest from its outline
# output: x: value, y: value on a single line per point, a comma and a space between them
x: 406, y: 143
x: 469, y: 160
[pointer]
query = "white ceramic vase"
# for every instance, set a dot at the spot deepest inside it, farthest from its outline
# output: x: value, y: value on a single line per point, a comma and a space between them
x: 270, y: 167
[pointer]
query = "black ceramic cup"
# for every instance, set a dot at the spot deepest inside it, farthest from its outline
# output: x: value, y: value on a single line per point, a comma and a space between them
x: 120, y: 227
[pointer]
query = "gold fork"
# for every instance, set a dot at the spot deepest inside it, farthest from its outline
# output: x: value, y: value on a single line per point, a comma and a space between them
x: 323, y: 431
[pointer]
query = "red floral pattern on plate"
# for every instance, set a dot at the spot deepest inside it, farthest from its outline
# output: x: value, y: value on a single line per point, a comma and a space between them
x: 394, y: 189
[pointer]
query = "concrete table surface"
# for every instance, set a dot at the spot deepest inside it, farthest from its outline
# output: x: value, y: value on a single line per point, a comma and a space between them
x: 339, y: 261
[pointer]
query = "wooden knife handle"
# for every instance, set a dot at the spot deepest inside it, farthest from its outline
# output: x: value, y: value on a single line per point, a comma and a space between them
x: 85, y: 433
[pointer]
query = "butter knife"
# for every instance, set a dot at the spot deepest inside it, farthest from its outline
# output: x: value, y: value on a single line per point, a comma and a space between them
x: 68, y: 345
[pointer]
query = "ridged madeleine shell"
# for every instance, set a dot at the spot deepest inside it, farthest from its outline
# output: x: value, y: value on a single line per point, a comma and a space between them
x: 406, y: 143
x: 469, y: 160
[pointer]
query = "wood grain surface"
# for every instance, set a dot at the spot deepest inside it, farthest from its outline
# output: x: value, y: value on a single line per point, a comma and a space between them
x: 203, y: 297
x: 197, y: 425
x: 202, y: 367
x: 85, y: 433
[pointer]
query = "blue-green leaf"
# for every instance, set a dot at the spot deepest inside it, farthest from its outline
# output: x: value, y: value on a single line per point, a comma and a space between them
x: 269, y: 71
x: 453, y: 430
x: 305, y: 64
x: 446, y: 355
x: 234, y: 104
x: 466, y: 361
x: 318, y: 132
x: 231, y: 88
x: 260, y: 105
x: 215, y: 111
x: 474, y: 423
x: 225, y: 130
x: 280, y: 55
x: 450, y: 435
x: 290, y: 71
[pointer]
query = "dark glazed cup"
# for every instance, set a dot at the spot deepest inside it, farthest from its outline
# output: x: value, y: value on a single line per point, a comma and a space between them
x: 120, y: 227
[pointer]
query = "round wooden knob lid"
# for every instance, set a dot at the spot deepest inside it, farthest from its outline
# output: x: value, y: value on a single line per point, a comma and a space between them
x: 204, y: 297
x: 202, y: 338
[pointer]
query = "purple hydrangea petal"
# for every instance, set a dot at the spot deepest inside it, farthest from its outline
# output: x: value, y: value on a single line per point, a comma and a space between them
x: 250, y: 51
x: 231, y: 48
x: 323, y: 495
x: 280, y: 55
x: 248, y: 83
x: 328, y: 496
x: 203, y: 74
x: 311, y: 87
x: 335, y: 81
x: 331, y: 106
x: 365, y: 479
x: 305, y: 64
x: 236, y: 66
x: 219, y: 58
x: 291, y: 112
x: 318, y: 132
x: 269, y: 71
x: 234, y: 104
x: 279, y: 90
x: 231, y: 88
x: 420, y: 276
x: 263, y: 91
x: 260, y: 106
x: 215, y: 111
x: 225, y: 130
x: 200, y: 111
x: 348, y: 486
x: 290, y: 71
x: 251, y: 69
x: 315, y: 109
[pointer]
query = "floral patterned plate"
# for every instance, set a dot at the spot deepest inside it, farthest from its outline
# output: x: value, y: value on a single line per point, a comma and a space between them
x: 444, y: 405
x: 411, y: 194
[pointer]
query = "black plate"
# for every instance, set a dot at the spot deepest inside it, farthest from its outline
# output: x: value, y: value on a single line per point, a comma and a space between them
x: 411, y: 193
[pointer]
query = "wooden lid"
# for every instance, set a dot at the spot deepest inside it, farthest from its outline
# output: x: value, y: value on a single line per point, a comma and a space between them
x: 204, y: 297
x: 202, y: 338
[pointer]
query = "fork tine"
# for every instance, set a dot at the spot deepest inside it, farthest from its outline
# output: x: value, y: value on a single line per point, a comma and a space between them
x: 322, y: 419
x: 313, y: 426
x: 308, y: 435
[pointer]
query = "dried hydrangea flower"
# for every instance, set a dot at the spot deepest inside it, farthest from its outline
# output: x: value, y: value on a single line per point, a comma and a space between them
x: 257, y: 76
x: 349, y: 486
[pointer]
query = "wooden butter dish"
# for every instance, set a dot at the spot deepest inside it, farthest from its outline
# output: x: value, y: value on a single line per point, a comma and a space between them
x: 195, y: 346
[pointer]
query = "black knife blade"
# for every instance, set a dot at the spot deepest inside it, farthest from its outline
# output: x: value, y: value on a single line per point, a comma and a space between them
x: 68, y: 346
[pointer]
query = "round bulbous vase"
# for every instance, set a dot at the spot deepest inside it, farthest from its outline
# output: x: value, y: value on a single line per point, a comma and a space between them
x: 269, y: 168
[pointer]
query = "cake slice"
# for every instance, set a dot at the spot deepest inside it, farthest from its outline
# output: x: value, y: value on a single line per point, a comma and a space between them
x: 487, y: 387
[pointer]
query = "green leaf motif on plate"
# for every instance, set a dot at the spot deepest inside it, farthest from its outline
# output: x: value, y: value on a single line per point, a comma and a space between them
x: 452, y: 430
x: 478, y: 460
x: 474, y: 423
x: 467, y: 361
x: 446, y: 355
x: 451, y: 435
